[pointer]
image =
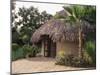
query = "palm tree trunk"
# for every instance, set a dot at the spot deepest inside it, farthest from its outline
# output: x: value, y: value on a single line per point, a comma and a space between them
x: 80, y: 42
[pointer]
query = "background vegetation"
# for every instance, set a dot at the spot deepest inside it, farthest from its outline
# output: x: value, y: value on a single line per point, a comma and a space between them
x: 24, y: 23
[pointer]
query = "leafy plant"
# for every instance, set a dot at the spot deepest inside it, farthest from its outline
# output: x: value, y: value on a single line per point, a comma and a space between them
x: 17, y: 54
x: 30, y: 50
x: 35, y: 50
x: 71, y: 60
x: 27, y: 50
x: 91, y: 50
x: 15, y: 46
x: 60, y: 58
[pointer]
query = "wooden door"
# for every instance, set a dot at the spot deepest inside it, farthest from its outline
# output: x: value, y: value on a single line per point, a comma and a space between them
x: 53, y: 49
x: 49, y: 47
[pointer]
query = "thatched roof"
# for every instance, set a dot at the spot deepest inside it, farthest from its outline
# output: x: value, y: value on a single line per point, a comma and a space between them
x: 57, y: 30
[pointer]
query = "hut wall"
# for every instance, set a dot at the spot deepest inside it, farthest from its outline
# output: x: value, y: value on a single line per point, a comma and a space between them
x: 68, y: 47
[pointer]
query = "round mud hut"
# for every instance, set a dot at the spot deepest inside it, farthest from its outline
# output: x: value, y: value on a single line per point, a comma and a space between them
x: 57, y: 35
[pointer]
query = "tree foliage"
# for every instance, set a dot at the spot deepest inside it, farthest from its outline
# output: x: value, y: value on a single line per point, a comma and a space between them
x: 15, y: 33
x: 27, y: 20
x: 74, y: 12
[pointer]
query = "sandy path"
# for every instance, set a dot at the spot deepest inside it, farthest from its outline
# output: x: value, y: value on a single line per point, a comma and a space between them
x: 38, y: 64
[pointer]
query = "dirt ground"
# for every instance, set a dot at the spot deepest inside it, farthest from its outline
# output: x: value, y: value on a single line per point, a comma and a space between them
x: 38, y: 64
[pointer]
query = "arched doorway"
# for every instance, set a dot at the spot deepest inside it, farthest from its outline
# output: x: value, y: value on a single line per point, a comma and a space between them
x: 49, y: 47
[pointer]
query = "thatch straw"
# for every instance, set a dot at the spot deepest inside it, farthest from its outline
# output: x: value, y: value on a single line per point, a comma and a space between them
x: 57, y: 30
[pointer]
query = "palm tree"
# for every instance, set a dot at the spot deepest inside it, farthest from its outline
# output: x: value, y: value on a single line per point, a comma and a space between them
x: 75, y: 14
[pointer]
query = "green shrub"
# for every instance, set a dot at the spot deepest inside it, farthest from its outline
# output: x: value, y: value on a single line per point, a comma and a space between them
x: 87, y: 58
x: 35, y: 50
x: 64, y: 59
x: 25, y: 39
x: 17, y: 54
x: 60, y: 58
x: 24, y: 51
x: 15, y: 46
x: 71, y: 60
x: 27, y: 50
x: 91, y: 50
x: 30, y: 51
